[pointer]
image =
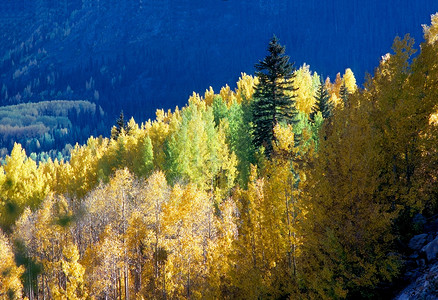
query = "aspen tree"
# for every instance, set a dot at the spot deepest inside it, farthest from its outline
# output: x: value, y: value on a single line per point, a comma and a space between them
x: 306, y: 89
x: 346, y: 250
x: 184, y: 220
x: 10, y: 283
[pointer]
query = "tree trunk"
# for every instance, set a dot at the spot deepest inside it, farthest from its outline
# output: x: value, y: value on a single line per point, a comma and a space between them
x: 126, y: 283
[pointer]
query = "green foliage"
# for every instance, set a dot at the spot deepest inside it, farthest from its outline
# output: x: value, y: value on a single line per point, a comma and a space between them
x: 343, y: 92
x: 197, y: 151
x: 219, y: 109
x: 322, y: 102
x: 145, y: 163
x: 240, y: 139
x: 120, y: 126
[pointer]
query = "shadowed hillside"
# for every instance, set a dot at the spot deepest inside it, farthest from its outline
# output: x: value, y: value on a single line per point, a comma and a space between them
x: 142, y: 55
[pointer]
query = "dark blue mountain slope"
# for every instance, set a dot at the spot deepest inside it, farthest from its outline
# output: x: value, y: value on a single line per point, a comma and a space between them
x: 140, y: 55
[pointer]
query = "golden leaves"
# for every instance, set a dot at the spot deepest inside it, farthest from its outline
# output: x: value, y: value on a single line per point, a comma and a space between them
x: 431, y: 32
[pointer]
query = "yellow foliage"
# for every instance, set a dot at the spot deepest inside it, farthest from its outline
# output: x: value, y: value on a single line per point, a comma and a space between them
x: 320, y: 218
x: 195, y: 99
x: 74, y: 273
x: 46, y: 236
x: 349, y: 81
x: 348, y: 231
x: 227, y: 95
x: 336, y: 86
x: 285, y: 139
x: 185, y: 219
x: 102, y: 260
x: 82, y: 170
x: 9, y: 273
x: 159, y: 130
x: 245, y: 88
x: 304, y: 81
x: 209, y: 96
x: 22, y: 184
x: 431, y: 32
x: 433, y: 119
x: 223, y: 233
x: 335, y: 99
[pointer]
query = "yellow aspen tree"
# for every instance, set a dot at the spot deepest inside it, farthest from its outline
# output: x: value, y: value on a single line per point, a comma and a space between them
x: 305, y: 94
x: 132, y: 140
x: 158, y: 131
x: 74, y: 272
x: 403, y: 99
x: 347, y: 230
x: 209, y: 96
x: 285, y: 172
x: 219, y: 250
x: 118, y: 154
x: 184, y: 219
x: 336, y: 86
x: 84, y: 166
x: 133, y: 151
x: 421, y: 86
x: 155, y: 195
x: 120, y: 194
x: 45, y: 233
x: 61, y: 176
x: 26, y: 250
x: 22, y: 185
x: 227, y: 95
x: 109, y: 208
x: 51, y: 238
x: 245, y: 88
x: 334, y: 89
x: 138, y: 237
x: 349, y: 81
x: 274, y: 206
x: 250, y: 277
x: 49, y: 171
x: 102, y: 265
x: 196, y: 100
x: 431, y: 31
x: 10, y: 283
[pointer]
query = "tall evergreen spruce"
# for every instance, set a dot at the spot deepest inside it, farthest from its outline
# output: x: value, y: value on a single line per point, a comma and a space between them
x: 120, y: 123
x: 274, y: 101
x: 322, y: 102
x: 343, y: 92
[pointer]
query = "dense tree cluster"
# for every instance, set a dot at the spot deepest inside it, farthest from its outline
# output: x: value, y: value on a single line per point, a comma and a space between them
x: 188, y: 206
x: 49, y: 128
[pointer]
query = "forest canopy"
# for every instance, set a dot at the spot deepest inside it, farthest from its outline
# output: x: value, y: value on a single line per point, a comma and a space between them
x: 48, y: 126
x: 188, y: 206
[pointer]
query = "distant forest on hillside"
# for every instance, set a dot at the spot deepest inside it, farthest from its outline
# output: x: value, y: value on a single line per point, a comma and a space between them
x: 138, y: 56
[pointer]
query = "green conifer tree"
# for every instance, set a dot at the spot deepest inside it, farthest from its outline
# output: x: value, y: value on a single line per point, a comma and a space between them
x: 274, y: 101
x: 343, y: 92
x: 120, y: 124
x: 322, y: 103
